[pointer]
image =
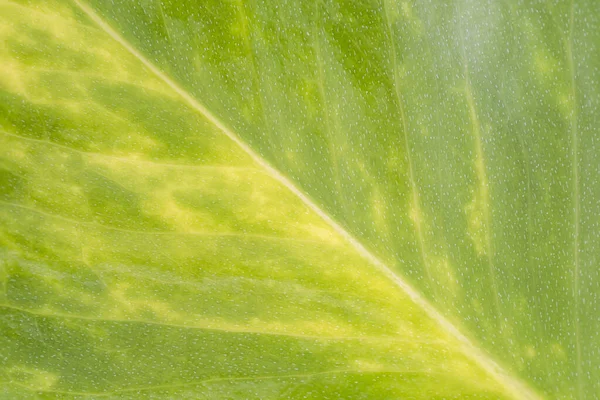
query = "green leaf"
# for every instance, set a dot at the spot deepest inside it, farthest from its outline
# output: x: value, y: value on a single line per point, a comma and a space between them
x: 324, y: 199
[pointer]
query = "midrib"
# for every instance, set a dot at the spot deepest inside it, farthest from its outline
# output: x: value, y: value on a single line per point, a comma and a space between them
x: 512, y: 385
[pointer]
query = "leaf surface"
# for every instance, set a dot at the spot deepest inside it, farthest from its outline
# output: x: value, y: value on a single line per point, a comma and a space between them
x: 299, y: 200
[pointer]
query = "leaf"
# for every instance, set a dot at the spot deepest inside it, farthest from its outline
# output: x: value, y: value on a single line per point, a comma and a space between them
x: 286, y: 200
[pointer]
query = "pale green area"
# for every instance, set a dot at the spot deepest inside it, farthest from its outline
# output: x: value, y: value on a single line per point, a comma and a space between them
x: 146, y: 254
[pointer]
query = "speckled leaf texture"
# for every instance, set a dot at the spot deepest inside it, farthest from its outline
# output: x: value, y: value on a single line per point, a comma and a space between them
x: 299, y: 199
